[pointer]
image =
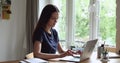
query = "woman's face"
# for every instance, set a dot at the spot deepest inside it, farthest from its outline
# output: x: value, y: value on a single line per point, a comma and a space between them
x: 53, y: 19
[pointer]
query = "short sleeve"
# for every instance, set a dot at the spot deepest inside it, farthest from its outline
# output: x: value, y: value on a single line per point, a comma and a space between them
x: 37, y: 36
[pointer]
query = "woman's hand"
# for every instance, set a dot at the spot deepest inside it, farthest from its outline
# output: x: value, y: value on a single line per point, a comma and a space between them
x: 70, y: 53
x: 79, y: 52
x: 67, y: 53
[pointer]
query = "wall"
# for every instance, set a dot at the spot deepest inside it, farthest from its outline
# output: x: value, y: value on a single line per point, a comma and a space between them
x: 118, y: 26
x: 12, y: 32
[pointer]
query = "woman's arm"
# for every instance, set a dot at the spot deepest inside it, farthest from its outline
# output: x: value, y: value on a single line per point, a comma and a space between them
x: 60, y: 50
x: 39, y: 54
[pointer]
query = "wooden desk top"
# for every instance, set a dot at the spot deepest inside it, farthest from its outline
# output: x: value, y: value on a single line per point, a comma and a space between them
x: 14, y: 61
x: 93, y: 59
x: 17, y: 61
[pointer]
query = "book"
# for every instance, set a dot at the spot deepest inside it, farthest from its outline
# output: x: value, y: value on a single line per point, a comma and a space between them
x: 34, y: 60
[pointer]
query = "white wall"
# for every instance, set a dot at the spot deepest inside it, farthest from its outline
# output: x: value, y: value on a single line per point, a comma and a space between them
x: 12, y: 32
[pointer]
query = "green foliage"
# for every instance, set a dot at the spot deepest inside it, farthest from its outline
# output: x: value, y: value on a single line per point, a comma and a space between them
x: 82, y: 19
x: 108, y: 20
x: 107, y: 30
x: 62, y: 20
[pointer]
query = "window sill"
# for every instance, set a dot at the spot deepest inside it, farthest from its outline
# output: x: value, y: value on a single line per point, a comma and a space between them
x: 110, y: 49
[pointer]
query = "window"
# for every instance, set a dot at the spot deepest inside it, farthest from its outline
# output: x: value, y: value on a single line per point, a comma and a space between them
x: 81, y: 33
x: 61, y: 24
x: 108, y: 21
x: 83, y: 20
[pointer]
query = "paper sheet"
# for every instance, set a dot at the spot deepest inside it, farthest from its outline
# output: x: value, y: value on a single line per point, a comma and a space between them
x: 34, y: 60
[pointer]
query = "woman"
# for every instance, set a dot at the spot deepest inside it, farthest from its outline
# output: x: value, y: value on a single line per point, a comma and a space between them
x: 45, y: 38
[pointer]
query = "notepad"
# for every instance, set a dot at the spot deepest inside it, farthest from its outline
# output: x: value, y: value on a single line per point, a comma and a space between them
x: 34, y: 60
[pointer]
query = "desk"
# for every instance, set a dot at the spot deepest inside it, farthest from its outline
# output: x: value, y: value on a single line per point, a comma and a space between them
x: 93, y: 59
x: 17, y: 61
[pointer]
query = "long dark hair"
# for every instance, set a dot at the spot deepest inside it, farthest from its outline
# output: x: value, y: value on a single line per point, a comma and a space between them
x: 45, y: 16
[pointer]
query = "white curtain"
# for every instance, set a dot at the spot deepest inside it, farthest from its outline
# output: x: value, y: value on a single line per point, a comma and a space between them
x: 31, y: 20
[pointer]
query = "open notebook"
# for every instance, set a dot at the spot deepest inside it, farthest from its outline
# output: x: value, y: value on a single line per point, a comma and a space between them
x: 34, y: 60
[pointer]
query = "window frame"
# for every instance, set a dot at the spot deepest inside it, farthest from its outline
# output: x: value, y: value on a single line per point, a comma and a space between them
x: 93, y: 17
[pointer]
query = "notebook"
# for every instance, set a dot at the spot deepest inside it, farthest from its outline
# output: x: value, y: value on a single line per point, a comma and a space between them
x: 33, y: 60
x: 88, y: 49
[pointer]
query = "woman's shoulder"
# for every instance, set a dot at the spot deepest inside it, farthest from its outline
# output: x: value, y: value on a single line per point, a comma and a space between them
x: 40, y: 30
x: 54, y: 30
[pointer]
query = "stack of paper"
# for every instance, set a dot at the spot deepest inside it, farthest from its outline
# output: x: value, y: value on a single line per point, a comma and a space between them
x: 34, y: 60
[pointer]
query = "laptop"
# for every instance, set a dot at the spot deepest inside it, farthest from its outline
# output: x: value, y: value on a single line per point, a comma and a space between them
x: 87, y: 51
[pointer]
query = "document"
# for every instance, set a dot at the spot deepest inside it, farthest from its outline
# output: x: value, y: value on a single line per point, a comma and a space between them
x: 34, y: 60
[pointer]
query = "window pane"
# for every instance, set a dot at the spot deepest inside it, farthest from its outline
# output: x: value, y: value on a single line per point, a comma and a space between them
x: 82, y: 21
x: 108, y: 21
x: 81, y: 33
x: 61, y: 24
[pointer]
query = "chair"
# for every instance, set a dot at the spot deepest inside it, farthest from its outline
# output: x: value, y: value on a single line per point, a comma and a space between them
x: 29, y: 56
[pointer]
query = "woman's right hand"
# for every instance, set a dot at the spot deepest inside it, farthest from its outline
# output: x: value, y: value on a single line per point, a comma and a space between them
x: 79, y: 52
x: 67, y: 53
